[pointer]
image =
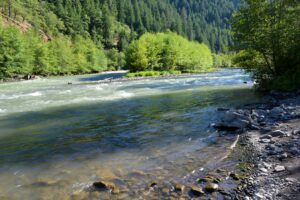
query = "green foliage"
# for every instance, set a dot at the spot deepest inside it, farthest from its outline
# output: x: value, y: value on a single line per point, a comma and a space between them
x: 116, y: 59
x: 267, y: 34
x: 117, y: 22
x: 223, y: 60
x: 153, y: 73
x: 13, y: 56
x: 26, y: 53
x: 165, y: 52
x: 68, y: 36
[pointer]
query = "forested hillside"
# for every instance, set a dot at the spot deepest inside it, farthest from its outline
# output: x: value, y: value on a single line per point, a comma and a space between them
x: 57, y: 37
x: 116, y: 22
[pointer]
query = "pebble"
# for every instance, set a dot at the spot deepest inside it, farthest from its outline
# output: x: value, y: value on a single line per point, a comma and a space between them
x: 263, y: 170
x: 279, y: 168
x: 265, y: 141
x: 266, y: 137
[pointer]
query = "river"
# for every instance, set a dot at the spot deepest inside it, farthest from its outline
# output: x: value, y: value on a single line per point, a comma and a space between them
x: 57, y: 138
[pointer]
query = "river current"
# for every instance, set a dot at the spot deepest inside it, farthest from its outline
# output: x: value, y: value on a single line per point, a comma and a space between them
x: 57, y: 138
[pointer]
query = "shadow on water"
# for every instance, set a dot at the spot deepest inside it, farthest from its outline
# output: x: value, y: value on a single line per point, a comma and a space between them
x: 100, y: 77
x: 108, y: 127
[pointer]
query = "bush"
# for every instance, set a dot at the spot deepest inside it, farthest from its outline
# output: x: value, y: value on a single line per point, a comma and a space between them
x: 166, y: 52
x: 152, y: 73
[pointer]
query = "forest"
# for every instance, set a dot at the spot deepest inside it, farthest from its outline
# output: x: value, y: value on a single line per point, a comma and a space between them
x: 57, y: 37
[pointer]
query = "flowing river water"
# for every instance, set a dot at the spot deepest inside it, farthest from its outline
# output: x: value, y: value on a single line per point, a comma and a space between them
x: 56, y: 139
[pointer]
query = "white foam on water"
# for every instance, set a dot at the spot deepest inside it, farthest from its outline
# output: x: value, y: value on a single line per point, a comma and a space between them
x: 34, y: 94
x: 96, y: 87
x: 125, y: 94
x: 65, y: 92
x: 2, y: 110
x: 17, y: 96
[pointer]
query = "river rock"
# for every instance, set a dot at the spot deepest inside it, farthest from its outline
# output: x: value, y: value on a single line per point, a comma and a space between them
x: 266, y: 137
x: 263, y: 170
x: 265, y: 141
x: 234, y: 176
x: 233, y: 125
x: 211, y: 187
x: 296, y: 132
x: 103, y: 185
x: 153, y: 184
x: 279, y: 168
x: 179, y: 187
x: 282, y: 156
x: 278, y: 133
x: 197, y: 191
x: 276, y: 111
x: 295, y: 151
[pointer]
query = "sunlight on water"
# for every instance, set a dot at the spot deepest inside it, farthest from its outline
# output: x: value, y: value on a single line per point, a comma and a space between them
x: 57, y: 138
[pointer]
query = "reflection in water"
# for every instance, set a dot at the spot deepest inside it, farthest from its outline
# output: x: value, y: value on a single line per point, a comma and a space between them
x: 159, y: 134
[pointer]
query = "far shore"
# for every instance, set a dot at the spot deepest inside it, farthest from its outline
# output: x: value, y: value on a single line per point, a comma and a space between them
x: 106, y: 80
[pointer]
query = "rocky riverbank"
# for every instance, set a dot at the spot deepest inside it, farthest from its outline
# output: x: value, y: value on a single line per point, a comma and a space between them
x: 270, y: 147
x: 263, y: 163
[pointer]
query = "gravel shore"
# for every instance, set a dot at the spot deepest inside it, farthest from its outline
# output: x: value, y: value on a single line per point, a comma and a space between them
x: 270, y: 147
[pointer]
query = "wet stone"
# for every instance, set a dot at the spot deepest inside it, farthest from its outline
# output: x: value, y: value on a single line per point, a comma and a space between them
x: 278, y: 133
x: 153, y: 184
x: 266, y: 137
x: 211, y: 187
x: 197, y: 191
x: 165, y: 191
x: 179, y: 187
x: 234, y: 176
x: 103, y: 185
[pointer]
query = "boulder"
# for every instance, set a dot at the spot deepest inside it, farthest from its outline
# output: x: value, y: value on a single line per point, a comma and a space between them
x: 278, y: 133
x: 231, y: 116
x: 276, y: 111
x: 232, y: 126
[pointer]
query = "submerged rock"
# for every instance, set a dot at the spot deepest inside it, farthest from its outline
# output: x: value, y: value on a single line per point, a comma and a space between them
x: 234, y: 176
x: 153, y: 184
x: 211, y: 187
x: 197, y: 191
x: 179, y: 187
x: 103, y: 185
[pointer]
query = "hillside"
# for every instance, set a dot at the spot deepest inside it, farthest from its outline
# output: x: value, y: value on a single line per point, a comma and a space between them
x: 115, y: 23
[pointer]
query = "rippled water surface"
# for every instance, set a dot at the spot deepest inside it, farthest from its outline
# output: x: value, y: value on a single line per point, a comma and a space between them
x: 57, y: 138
